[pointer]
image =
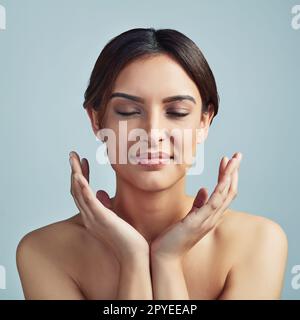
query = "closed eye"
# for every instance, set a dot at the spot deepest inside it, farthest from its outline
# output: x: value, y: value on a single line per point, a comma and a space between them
x: 177, y: 114
x: 126, y: 113
x: 172, y: 114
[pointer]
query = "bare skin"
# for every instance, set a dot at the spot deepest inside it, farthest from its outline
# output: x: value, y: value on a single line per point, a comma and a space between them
x: 64, y: 261
x: 152, y: 241
x: 242, y: 257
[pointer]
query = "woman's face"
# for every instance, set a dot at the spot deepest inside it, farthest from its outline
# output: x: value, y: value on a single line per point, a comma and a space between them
x: 153, y: 79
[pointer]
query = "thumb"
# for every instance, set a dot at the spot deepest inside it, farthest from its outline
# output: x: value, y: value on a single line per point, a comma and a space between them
x: 201, y: 198
x: 104, y: 198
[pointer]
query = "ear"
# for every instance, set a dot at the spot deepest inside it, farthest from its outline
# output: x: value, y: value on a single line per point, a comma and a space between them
x: 93, y: 115
x: 206, y: 118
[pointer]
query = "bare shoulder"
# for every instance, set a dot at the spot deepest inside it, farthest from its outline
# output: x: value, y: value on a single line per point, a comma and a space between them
x: 62, y: 242
x: 257, y: 248
x: 47, y: 259
x: 249, y: 228
x: 53, y: 237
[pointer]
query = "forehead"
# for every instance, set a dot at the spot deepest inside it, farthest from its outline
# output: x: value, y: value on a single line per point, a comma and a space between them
x: 156, y: 77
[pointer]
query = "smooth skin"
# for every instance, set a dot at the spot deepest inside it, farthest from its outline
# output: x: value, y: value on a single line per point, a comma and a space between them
x: 156, y: 270
x: 169, y: 248
x: 151, y: 240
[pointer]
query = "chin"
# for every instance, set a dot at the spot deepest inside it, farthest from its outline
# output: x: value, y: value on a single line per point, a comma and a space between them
x: 153, y: 180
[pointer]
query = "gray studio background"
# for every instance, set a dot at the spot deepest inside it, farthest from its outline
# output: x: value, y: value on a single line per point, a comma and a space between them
x: 47, y: 52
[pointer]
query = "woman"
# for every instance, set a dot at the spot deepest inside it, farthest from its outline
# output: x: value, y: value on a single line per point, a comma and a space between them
x: 152, y: 240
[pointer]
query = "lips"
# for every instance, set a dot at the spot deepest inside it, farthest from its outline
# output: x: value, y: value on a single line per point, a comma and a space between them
x: 155, y: 155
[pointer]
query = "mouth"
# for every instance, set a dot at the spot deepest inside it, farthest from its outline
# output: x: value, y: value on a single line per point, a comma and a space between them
x: 154, y: 156
x: 152, y: 159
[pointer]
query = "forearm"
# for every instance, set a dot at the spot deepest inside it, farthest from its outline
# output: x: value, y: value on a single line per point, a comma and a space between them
x: 168, y: 280
x: 135, y: 279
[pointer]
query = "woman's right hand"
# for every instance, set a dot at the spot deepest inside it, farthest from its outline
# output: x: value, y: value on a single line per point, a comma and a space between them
x: 98, y: 218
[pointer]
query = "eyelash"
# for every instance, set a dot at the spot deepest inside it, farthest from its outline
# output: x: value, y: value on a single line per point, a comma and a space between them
x: 174, y: 114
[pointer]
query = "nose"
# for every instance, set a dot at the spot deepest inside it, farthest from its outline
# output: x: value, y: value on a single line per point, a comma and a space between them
x: 155, y: 127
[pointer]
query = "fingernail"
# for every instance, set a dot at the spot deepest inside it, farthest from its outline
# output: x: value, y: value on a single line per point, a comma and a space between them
x: 71, y: 161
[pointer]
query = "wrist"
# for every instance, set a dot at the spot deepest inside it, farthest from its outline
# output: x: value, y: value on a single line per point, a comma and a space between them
x: 135, y: 261
x: 166, y: 267
x: 163, y: 259
x: 130, y: 256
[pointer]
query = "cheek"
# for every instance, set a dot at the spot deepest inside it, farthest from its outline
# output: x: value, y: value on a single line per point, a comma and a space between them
x: 185, y: 148
x: 120, y: 156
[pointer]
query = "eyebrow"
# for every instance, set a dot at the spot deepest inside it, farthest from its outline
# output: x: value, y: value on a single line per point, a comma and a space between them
x: 141, y: 100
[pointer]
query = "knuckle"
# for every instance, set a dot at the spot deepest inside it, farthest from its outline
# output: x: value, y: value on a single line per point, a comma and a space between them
x: 213, y: 204
x: 209, y: 224
x: 224, y: 196
x: 87, y: 225
x: 88, y: 199
x: 219, y: 191
x: 234, y: 194
x: 190, y: 220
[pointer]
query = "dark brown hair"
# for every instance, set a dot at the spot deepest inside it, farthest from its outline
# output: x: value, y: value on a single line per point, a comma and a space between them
x: 143, y: 42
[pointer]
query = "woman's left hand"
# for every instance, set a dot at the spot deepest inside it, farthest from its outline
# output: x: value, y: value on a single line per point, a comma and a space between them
x: 179, y: 238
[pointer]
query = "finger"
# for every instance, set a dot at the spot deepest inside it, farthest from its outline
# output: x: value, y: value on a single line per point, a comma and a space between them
x: 226, y: 203
x: 75, y: 162
x: 201, y: 198
x: 206, y: 217
x: 73, y: 186
x: 224, y: 163
x: 234, y: 184
x: 85, y: 169
x: 216, y: 200
x: 221, y: 190
x: 222, y: 167
x: 231, y: 194
x: 193, y: 216
x: 76, y: 191
x: 232, y: 170
x: 232, y: 164
x: 83, y: 214
x: 202, y: 194
x: 104, y: 198
x: 238, y: 156
x: 79, y: 200
x: 197, y: 222
x: 95, y: 206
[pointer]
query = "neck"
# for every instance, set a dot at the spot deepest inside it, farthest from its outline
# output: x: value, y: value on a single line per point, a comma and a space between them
x: 151, y: 212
